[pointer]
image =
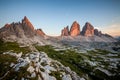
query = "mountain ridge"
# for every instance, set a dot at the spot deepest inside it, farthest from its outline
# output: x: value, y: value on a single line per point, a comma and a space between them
x: 25, y: 29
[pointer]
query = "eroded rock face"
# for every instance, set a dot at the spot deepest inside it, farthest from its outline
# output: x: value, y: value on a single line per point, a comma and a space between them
x: 26, y: 22
x: 40, y: 66
x: 88, y: 30
x: 65, y: 31
x: 12, y: 29
x: 75, y: 29
x: 97, y: 33
x: 20, y: 29
x: 40, y: 32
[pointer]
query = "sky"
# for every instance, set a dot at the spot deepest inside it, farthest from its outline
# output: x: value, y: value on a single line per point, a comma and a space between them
x: 53, y: 15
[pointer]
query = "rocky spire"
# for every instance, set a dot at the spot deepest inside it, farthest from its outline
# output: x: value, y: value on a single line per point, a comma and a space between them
x: 97, y: 33
x: 26, y: 22
x: 88, y: 29
x: 75, y: 29
x: 40, y: 32
x: 65, y: 31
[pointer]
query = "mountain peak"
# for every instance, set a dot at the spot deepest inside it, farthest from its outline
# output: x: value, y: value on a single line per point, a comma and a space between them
x: 65, y: 31
x: 75, y: 29
x: 26, y: 22
x: 88, y: 29
x: 26, y: 19
x: 40, y: 32
x: 7, y: 25
x: 87, y: 23
x: 75, y: 22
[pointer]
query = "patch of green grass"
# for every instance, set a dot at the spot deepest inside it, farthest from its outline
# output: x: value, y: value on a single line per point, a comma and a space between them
x: 14, y: 46
x: 56, y: 74
x: 18, y: 75
x: 77, y: 61
x: 5, y: 61
x: 43, y: 64
x: 69, y: 58
x: 41, y: 69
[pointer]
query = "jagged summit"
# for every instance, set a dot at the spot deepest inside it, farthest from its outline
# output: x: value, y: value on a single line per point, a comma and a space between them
x: 40, y: 32
x: 88, y: 33
x: 25, y: 29
x: 20, y: 30
x: 65, y: 31
x: 75, y: 29
x: 7, y: 25
x: 26, y: 22
x: 88, y: 29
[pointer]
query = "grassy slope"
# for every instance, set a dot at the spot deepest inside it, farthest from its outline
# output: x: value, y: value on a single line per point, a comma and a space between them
x: 8, y: 46
x: 6, y: 60
x: 76, y: 61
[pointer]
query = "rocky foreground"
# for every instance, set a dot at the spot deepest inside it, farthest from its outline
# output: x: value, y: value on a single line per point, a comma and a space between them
x: 38, y: 66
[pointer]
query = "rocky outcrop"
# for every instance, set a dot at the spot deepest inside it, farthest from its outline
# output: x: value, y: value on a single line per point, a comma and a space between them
x: 26, y: 22
x: 11, y: 29
x: 97, y: 33
x: 40, y: 67
x: 88, y: 30
x: 40, y: 32
x: 20, y: 30
x: 65, y: 31
x: 107, y: 35
x: 75, y: 29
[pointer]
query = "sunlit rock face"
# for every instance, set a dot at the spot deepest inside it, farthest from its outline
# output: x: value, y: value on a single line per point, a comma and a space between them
x: 40, y: 32
x: 26, y: 22
x: 75, y: 29
x: 88, y: 29
x: 65, y: 31
x: 18, y: 29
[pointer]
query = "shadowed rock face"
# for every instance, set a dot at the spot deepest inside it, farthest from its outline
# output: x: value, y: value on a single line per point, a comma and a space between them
x: 65, y: 31
x: 75, y: 29
x: 21, y: 30
x: 88, y: 30
x: 97, y: 33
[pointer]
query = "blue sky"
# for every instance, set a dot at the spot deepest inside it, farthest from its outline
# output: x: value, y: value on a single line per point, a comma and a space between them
x: 53, y: 15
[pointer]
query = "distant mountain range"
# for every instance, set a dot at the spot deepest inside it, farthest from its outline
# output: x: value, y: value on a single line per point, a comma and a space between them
x: 88, y: 30
x: 25, y: 30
